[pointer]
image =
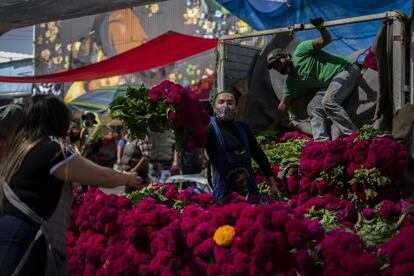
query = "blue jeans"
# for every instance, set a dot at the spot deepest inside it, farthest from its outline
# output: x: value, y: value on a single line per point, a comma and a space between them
x: 327, y: 104
x: 15, y: 237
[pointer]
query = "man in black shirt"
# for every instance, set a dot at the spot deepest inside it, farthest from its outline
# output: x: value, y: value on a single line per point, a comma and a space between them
x: 230, y: 147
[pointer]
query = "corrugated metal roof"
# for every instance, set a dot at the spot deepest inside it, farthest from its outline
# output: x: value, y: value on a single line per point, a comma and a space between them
x: 9, y: 56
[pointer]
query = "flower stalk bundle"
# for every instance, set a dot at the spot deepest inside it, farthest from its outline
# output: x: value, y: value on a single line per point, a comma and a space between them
x: 167, y: 106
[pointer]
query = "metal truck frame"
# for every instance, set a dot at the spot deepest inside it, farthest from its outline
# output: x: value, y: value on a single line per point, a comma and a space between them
x: 402, y: 68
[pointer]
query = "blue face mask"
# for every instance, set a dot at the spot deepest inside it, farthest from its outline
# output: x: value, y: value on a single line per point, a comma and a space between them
x: 225, y: 113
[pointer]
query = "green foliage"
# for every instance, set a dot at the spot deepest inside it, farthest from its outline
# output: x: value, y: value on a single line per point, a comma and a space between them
x: 327, y: 218
x: 264, y: 189
x: 371, y: 179
x: 139, y: 113
x: 157, y: 195
x: 377, y: 230
x: 180, y: 204
x: 98, y: 133
x: 267, y: 139
x: 148, y: 191
x: 333, y: 176
x: 287, y: 155
x: 367, y: 132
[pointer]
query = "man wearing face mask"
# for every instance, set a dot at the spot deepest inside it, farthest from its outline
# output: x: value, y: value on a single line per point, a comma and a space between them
x: 312, y: 69
x: 230, y: 147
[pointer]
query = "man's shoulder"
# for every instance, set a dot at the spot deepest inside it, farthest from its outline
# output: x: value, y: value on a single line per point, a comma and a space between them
x: 304, y: 47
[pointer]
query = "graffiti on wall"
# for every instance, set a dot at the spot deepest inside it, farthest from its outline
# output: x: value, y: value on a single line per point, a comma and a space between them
x: 69, y: 44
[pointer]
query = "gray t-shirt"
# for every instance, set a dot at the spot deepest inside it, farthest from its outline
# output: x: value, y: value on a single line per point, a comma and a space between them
x: 162, y: 145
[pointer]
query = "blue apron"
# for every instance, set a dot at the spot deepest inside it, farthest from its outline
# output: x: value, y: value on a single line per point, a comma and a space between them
x: 234, y: 172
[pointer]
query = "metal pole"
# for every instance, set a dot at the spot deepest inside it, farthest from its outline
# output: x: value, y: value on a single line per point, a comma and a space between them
x: 304, y: 27
x: 398, y: 65
x: 220, y: 66
x: 412, y: 62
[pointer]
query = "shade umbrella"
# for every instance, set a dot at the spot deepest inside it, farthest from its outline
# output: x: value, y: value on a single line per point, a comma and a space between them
x: 98, y: 100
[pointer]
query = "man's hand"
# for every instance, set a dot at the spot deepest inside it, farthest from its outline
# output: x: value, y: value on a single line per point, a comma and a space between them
x: 325, y: 38
x: 282, y: 108
x: 317, y: 22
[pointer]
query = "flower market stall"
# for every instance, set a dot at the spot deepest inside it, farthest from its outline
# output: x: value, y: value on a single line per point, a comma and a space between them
x: 342, y: 212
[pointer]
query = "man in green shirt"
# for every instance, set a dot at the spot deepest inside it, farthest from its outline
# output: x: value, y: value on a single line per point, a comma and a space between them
x: 312, y: 69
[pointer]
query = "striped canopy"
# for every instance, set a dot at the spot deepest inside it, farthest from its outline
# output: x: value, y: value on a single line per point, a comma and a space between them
x: 97, y: 100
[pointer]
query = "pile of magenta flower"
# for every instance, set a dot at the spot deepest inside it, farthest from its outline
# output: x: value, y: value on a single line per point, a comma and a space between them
x: 342, y: 215
x: 166, y: 106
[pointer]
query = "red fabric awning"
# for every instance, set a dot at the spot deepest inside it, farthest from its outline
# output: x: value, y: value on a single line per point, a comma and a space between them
x: 165, y: 49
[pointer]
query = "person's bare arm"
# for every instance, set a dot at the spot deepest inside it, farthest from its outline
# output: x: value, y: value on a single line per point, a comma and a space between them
x: 325, y: 37
x: 176, y: 159
x: 85, y: 172
x: 323, y: 40
x: 281, y: 110
x: 143, y: 161
x: 119, y: 152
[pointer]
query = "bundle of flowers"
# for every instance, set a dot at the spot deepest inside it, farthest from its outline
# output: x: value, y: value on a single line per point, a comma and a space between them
x: 284, y: 156
x: 282, y: 183
x: 293, y: 135
x: 165, y: 106
x: 399, y: 253
x: 237, y: 239
x: 180, y: 103
x: 364, y: 171
x: 343, y: 253
x: 168, y: 195
x: 151, y: 238
x: 377, y: 225
x: 96, y: 137
x: 93, y: 229
x: 331, y: 211
x: 109, y: 237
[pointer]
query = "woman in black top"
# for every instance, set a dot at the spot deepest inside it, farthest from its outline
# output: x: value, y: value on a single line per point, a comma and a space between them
x: 230, y: 147
x: 36, y: 172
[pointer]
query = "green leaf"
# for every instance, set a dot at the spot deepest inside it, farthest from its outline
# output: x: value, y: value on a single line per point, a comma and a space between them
x: 333, y: 176
x: 327, y: 218
x: 148, y: 191
x: 286, y: 154
x: 367, y: 132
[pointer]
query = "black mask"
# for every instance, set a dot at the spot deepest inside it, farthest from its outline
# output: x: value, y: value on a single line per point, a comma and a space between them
x: 287, y: 69
x: 88, y: 123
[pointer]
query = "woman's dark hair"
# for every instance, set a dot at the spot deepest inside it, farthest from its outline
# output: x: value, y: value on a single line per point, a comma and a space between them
x: 45, y: 115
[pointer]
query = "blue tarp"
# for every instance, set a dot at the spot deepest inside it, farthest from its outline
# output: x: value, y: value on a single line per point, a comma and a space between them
x: 268, y: 14
x: 16, y: 68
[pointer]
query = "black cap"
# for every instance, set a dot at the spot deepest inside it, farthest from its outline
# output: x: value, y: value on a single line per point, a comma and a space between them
x: 273, y: 56
x: 89, y: 116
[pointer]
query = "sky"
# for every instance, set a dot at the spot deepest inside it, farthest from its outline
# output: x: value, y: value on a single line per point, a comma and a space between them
x: 18, y: 41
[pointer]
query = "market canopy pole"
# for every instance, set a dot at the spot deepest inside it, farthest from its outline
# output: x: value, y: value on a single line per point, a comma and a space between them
x: 305, y: 27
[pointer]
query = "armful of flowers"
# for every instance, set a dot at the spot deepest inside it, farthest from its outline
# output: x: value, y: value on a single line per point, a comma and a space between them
x: 165, y: 106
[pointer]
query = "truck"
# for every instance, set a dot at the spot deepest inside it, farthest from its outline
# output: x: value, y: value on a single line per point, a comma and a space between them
x: 379, y: 97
